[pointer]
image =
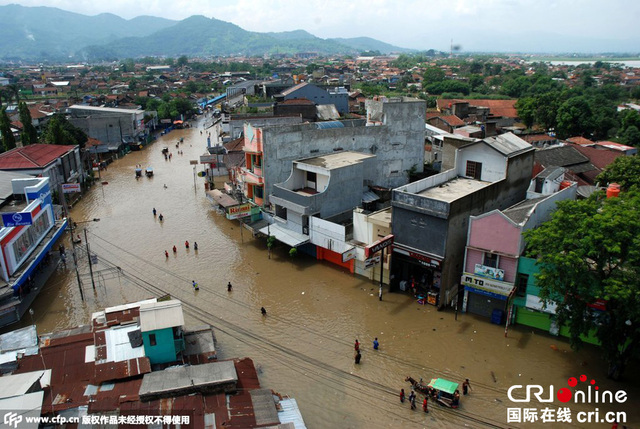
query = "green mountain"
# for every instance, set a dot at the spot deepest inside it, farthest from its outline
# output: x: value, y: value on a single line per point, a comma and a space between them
x: 201, y: 36
x: 46, y: 33
x: 362, y: 44
x: 50, y: 33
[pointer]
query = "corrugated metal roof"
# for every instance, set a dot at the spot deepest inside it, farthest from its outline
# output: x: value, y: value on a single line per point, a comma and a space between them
x: 119, y: 347
x: 20, y: 384
x: 508, y: 144
x: 161, y: 315
x: 290, y: 413
x: 19, y: 339
x: 29, y: 404
x: 329, y: 124
x: 369, y: 197
x: 264, y: 407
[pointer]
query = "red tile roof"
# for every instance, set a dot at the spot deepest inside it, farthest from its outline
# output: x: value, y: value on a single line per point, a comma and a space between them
x: 32, y: 156
x: 298, y: 101
x: 580, y: 140
x: 601, y: 158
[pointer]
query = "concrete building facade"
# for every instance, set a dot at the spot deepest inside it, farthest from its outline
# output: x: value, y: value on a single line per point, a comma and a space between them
x: 394, y: 132
x: 431, y: 216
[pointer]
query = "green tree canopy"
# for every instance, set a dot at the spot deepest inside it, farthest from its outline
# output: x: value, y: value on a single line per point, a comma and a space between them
x: 625, y: 171
x: 29, y: 133
x: 589, y: 251
x: 575, y: 118
x: 8, y: 140
x: 62, y: 132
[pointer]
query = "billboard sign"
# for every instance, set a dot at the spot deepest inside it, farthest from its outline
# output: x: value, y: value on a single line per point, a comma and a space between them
x: 236, y: 212
x: 16, y: 219
x: 69, y: 188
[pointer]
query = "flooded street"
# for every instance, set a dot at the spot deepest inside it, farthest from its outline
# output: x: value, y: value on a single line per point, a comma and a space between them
x: 304, y: 346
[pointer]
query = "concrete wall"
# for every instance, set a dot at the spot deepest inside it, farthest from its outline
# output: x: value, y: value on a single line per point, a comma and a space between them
x: 236, y: 124
x: 107, y: 129
x: 398, y: 143
x: 494, y: 164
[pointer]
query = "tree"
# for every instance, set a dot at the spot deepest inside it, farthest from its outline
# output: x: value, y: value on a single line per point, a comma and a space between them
x: 527, y: 110
x: 590, y: 251
x: 433, y: 75
x: 182, y: 61
x: 8, y: 140
x: 575, y: 118
x: 29, y: 133
x: 625, y: 171
x: 60, y: 131
x: 631, y: 136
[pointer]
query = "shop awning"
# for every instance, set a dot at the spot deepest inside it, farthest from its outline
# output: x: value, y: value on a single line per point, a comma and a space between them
x: 287, y: 236
x: 444, y: 385
x: 218, y: 197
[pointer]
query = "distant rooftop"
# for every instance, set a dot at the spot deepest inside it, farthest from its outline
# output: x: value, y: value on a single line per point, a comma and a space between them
x: 105, y: 109
x: 454, y: 189
x: 336, y: 160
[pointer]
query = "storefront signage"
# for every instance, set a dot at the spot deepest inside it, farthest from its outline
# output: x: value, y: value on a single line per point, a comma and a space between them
x: 207, y: 159
x: 16, y: 219
x: 378, y: 245
x: 349, y: 255
x: 535, y: 303
x: 489, y: 285
x: 489, y: 272
x: 69, y: 188
x: 236, y: 212
x: 371, y: 262
x: 422, y: 259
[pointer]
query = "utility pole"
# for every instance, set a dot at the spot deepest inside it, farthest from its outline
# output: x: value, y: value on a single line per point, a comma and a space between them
x: 86, y: 241
x: 63, y: 199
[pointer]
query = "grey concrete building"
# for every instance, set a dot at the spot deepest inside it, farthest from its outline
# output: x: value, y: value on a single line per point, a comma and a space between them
x: 394, y: 132
x: 321, y: 187
x: 431, y: 216
x: 111, y: 125
x: 336, y: 96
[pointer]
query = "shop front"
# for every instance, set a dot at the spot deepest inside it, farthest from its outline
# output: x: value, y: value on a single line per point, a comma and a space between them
x: 486, y: 297
x: 416, y: 273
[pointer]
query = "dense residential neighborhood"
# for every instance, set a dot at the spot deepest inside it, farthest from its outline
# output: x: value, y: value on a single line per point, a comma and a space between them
x: 319, y: 197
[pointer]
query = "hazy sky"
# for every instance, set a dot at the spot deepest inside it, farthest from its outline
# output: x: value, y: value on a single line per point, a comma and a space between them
x: 488, y: 25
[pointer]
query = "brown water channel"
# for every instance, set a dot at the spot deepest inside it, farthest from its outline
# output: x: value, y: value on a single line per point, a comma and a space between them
x: 304, y: 347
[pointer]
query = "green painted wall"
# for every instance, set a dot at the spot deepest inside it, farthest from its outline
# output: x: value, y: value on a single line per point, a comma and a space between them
x: 538, y: 319
x: 165, y: 349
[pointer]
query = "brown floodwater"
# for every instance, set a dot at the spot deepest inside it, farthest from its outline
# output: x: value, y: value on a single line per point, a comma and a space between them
x: 304, y: 346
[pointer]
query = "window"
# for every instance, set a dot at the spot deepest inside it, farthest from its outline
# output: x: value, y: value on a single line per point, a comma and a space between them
x: 281, y: 212
x: 311, y: 177
x: 152, y: 339
x: 490, y: 260
x: 521, y: 284
x: 474, y: 170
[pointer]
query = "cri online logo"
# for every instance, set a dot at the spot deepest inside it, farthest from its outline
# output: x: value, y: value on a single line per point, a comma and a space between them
x: 590, y: 395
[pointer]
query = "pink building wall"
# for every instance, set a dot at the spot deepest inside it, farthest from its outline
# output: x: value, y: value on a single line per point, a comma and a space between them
x: 508, y: 264
x: 495, y: 233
